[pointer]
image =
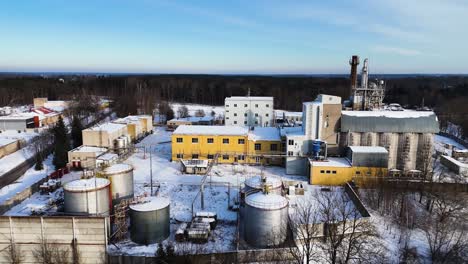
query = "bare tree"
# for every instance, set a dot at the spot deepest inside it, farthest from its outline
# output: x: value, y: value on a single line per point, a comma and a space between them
x: 14, y: 254
x: 348, y: 237
x: 445, y: 228
x: 305, y: 226
x: 200, y: 113
x: 49, y: 253
x: 182, y: 111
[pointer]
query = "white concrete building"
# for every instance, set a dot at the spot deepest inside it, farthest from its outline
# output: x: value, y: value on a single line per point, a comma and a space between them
x: 320, y: 120
x: 249, y: 111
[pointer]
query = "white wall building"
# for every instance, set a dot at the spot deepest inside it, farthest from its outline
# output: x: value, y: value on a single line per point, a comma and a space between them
x: 249, y: 111
x: 318, y: 119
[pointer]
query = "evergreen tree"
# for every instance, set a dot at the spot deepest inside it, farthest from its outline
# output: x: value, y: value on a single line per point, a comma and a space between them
x: 61, y: 145
x: 76, y: 134
x: 39, y: 162
x: 160, y: 253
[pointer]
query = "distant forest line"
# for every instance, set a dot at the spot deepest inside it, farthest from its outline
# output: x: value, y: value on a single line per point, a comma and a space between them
x: 448, y: 95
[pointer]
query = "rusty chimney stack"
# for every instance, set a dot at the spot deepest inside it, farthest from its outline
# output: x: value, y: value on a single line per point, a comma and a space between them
x: 354, y: 62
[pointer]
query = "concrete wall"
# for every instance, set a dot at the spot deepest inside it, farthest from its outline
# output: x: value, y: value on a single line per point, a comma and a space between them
x: 102, y: 138
x: 88, y: 234
x: 454, y: 165
x: 9, y: 148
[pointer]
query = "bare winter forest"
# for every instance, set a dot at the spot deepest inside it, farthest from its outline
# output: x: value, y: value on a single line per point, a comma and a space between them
x: 447, y: 95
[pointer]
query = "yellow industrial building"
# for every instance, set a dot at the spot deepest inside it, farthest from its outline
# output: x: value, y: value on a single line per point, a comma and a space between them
x: 361, y: 161
x: 228, y: 144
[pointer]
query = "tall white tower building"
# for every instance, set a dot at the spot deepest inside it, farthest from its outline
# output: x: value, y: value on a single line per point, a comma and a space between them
x: 248, y: 111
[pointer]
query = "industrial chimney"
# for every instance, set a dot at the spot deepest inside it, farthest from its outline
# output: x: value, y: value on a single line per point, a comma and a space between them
x: 365, y: 74
x: 354, y: 62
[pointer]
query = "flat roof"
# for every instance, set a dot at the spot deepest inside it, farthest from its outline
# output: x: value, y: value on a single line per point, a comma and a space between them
x: 265, y: 134
x: 368, y: 149
x: 211, y: 130
x: 6, y: 141
x: 390, y: 114
x: 407, y: 121
x: 249, y: 98
x: 108, y: 156
x: 108, y: 127
x: 192, y: 119
x: 331, y: 162
x: 21, y: 116
x: 89, y: 149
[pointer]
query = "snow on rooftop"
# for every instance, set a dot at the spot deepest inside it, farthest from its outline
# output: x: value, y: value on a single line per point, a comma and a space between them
x: 151, y: 204
x: 6, y: 141
x: 265, y: 133
x: 192, y: 119
x: 108, y: 156
x: 89, y: 149
x: 117, y: 168
x: 368, y: 149
x: 107, y: 127
x: 290, y: 131
x: 211, y: 130
x: 19, y: 116
x: 331, y: 162
x: 389, y: 114
x: 266, y: 201
x: 279, y: 113
x: 86, y: 184
x: 249, y: 98
x: 256, y: 182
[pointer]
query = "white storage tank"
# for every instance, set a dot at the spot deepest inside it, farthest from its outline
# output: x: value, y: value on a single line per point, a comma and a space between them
x: 149, y: 221
x: 87, y: 196
x: 121, y: 179
x: 258, y: 182
x: 265, y: 219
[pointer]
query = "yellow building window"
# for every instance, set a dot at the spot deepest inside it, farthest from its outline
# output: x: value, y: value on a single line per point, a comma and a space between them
x: 194, y: 140
x: 225, y: 140
x: 210, y: 140
x: 179, y: 140
x: 225, y: 157
x: 258, y: 146
x: 241, y: 141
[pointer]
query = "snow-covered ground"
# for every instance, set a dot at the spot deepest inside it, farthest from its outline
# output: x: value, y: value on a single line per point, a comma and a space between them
x: 219, y: 110
x: 441, y: 173
x: 11, y: 161
x: 30, y: 177
x: 13, y: 134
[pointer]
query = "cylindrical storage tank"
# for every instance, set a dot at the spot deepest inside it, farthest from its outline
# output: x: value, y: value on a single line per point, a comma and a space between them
x: 407, y: 150
x: 354, y: 139
x: 424, y: 154
x: 257, y: 182
x: 149, y: 221
x: 121, y: 178
x: 87, y: 196
x: 369, y: 139
x: 265, y: 219
x: 390, y: 142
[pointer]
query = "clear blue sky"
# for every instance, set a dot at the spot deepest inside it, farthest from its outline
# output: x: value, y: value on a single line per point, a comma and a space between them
x: 269, y: 36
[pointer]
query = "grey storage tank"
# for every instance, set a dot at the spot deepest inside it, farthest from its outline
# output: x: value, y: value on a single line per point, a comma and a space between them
x: 265, y: 219
x: 259, y: 182
x: 87, y: 196
x: 121, y: 179
x: 149, y: 221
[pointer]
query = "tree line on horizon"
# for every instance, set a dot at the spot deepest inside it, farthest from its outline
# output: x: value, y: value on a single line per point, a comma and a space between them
x: 447, y: 95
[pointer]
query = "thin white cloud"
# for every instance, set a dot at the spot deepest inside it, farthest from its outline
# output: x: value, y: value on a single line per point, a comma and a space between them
x: 396, y: 50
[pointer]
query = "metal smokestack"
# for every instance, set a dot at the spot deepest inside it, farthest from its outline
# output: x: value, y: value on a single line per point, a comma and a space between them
x: 354, y: 62
x: 365, y: 74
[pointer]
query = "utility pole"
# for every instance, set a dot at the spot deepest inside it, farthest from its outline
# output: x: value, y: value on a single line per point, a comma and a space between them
x: 151, y: 171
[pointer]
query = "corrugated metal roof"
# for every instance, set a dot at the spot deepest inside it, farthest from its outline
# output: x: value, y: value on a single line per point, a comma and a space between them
x: 392, y: 122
